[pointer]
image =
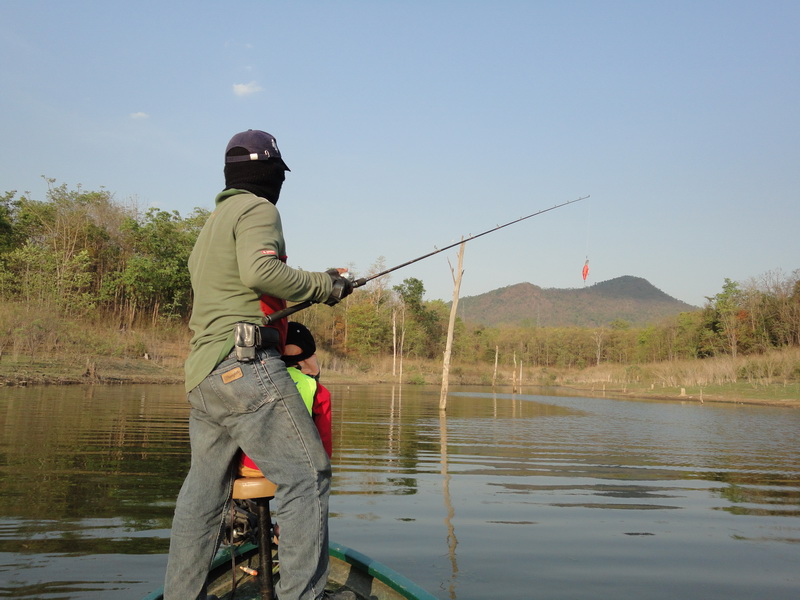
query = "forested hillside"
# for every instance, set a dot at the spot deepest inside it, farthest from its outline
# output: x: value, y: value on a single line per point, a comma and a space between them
x: 630, y: 299
x: 78, y: 262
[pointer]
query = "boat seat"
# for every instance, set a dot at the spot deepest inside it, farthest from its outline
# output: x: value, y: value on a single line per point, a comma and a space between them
x: 261, y: 490
x: 250, y: 488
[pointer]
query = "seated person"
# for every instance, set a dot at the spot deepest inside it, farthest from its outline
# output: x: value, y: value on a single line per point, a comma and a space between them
x: 300, y: 353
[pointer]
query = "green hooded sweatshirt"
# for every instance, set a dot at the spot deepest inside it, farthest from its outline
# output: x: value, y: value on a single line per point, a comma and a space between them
x: 237, y: 258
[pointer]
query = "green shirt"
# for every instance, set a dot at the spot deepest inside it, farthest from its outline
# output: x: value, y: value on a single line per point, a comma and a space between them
x: 237, y: 258
x: 306, y: 385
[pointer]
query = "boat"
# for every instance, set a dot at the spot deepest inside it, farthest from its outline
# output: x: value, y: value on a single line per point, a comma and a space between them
x: 350, y: 570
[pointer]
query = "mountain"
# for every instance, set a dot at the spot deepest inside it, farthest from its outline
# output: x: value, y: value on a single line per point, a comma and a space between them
x: 626, y: 298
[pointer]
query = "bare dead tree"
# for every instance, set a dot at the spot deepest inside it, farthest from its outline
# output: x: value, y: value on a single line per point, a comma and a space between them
x: 451, y: 327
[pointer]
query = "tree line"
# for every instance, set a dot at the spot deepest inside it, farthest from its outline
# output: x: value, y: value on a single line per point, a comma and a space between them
x: 81, y: 254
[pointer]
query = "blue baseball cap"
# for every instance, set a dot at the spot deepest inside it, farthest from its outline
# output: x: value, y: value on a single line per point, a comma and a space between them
x: 259, y: 145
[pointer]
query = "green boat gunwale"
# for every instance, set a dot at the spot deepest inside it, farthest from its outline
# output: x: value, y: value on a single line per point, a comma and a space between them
x: 379, y: 571
x: 389, y: 577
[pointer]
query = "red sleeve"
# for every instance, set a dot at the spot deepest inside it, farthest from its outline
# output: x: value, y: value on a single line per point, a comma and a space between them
x: 269, y: 305
x: 321, y: 412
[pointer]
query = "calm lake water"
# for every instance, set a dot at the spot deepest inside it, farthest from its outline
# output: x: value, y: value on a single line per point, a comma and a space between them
x: 526, y: 496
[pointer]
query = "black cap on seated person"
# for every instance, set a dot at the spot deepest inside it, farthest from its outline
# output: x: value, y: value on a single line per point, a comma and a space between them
x: 299, y: 335
x: 253, y: 163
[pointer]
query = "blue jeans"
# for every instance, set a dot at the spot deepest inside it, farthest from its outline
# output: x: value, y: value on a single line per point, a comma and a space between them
x: 256, y: 407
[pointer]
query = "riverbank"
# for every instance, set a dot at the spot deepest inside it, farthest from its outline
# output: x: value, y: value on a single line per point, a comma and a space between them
x: 97, y: 370
x: 776, y: 396
x: 24, y: 371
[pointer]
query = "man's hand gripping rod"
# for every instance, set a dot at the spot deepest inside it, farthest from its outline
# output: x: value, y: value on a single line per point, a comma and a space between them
x: 364, y: 280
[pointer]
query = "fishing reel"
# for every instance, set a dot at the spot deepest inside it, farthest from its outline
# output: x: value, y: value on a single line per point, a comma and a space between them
x: 241, y: 524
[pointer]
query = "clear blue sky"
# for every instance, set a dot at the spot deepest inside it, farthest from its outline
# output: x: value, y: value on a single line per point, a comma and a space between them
x: 410, y: 124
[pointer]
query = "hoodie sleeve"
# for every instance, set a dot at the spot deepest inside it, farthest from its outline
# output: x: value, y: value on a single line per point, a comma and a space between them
x: 260, y: 251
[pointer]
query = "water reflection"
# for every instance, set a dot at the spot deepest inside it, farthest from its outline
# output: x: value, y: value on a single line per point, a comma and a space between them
x: 557, y: 482
x: 452, y: 541
x: 65, y: 449
x: 586, y: 497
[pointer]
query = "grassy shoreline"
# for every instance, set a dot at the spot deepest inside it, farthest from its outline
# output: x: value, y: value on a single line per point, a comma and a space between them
x: 596, y: 381
x: 105, y: 351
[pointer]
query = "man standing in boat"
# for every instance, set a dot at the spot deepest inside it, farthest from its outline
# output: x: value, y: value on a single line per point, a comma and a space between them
x: 239, y: 390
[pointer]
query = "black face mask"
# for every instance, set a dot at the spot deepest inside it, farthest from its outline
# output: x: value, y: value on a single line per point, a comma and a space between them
x: 264, y: 178
x: 262, y: 191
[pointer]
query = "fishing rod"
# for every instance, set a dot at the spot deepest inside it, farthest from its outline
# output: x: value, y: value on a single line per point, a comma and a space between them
x: 364, y: 280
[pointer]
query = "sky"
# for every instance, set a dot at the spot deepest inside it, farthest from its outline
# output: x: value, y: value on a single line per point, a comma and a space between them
x: 409, y: 125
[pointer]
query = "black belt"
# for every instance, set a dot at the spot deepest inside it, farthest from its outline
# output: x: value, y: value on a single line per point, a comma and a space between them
x: 269, y: 337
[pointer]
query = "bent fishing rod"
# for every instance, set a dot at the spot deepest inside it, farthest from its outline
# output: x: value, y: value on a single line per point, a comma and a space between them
x: 280, y: 314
